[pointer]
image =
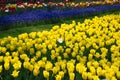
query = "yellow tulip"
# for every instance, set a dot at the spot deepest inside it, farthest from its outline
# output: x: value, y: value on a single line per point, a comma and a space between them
x: 23, y: 56
x: 44, y: 50
x: 97, y: 55
x: 65, y: 55
x: 114, y: 78
x: 31, y: 67
x: 82, y: 48
x: 118, y: 74
x: 101, y: 44
x: 26, y: 65
x: 61, y: 73
x: 57, y: 50
x: 32, y: 51
x: 52, y: 52
x: 41, y: 63
x: 32, y: 61
x: 63, y: 66
x: 59, y: 58
x: 89, y: 76
x: 92, y: 51
x: 44, y: 59
x: 78, y: 57
x: 2, y: 42
x: 12, y: 47
x: 80, y: 68
x: 48, y: 66
x: 32, y: 35
x: 7, y: 65
x: 17, y: 65
x: 74, y: 54
x: 70, y: 67
x: 3, y: 49
x: 49, y: 46
x: 84, y: 75
x: 55, y: 70
x: 15, y: 73
x: 72, y: 76
x: 1, y: 68
x: 36, y: 72
x: 38, y: 54
x: 92, y: 70
x: 46, y: 74
x: 90, y: 57
x: 58, y: 77
x: 1, y: 58
x: 99, y: 71
x: 95, y: 64
x: 68, y: 50
x: 7, y: 53
x: 96, y: 78
x: 89, y: 64
x: 15, y: 54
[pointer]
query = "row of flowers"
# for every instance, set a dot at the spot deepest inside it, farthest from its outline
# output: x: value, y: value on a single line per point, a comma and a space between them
x: 88, y: 51
x: 15, y: 7
x: 38, y: 15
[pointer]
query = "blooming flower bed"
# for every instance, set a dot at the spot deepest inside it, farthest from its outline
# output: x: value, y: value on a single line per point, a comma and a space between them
x: 16, y: 7
x: 76, y: 51
x: 37, y: 15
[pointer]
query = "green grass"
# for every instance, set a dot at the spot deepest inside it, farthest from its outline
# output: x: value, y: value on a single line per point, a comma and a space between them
x: 16, y: 29
x: 23, y: 28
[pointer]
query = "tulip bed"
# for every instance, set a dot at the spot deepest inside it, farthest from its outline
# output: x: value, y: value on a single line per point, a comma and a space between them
x: 55, y: 15
x: 76, y: 51
x: 18, y: 6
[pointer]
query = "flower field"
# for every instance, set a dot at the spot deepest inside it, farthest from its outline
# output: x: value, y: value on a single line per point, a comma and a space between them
x: 40, y: 15
x: 60, y: 4
x: 76, y: 51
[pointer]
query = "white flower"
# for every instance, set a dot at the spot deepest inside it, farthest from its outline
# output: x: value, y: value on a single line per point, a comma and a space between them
x: 60, y: 40
x: 33, y: 6
x: 7, y: 10
x: 44, y: 4
x: 21, y: 6
x: 25, y: 3
x: 38, y: 2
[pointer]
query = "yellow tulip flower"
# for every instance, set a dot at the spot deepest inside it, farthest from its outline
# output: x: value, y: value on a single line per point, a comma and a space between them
x: 72, y: 76
x: 1, y: 58
x: 48, y: 66
x: 36, y: 72
x: 7, y: 65
x: 96, y: 78
x: 58, y: 77
x: 49, y: 46
x: 17, y: 65
x: 3, y: 49
x: 89, y: 76
x: 44, y: 50
x: 46, y: 74
x: 1, y: 68
x: 61, y: 73
x: 31, y: 67
x: 15, y: 73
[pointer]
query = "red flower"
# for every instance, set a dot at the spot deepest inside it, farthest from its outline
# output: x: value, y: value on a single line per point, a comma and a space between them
x: 3, y: 8
x: 50, y: 3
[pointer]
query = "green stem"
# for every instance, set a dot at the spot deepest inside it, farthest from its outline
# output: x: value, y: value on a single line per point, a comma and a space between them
x: 48, y: 78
